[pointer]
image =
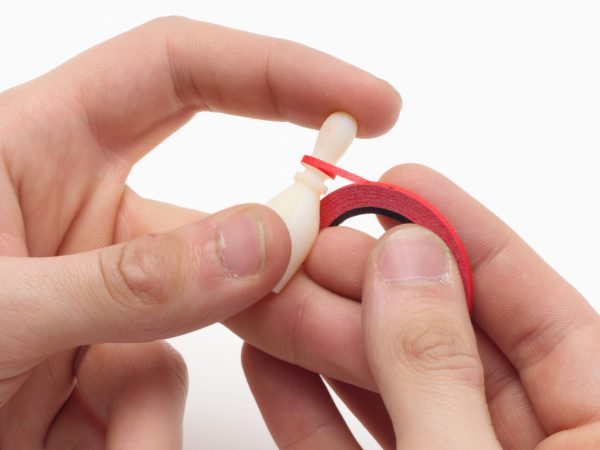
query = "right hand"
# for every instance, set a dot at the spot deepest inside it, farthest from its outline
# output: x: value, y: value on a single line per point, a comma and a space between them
x: 407, y: 361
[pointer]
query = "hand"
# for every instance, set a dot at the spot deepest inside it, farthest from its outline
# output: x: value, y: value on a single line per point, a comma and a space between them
x: 408, y: 363
x: 67, y: 143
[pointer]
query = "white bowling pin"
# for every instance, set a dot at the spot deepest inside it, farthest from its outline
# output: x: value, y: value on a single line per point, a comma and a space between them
x: 298, y: 205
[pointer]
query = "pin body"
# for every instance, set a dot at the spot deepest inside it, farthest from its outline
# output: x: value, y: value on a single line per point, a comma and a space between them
x: 298, y: 205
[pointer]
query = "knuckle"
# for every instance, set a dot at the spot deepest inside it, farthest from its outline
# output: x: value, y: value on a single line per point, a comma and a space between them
x: 127, y: 367
x: 311, y: 436
x: 439, y: 346
x: 171, y: 367
x: 248, y: 356
x: 145, y: 274
x: 167, y: 22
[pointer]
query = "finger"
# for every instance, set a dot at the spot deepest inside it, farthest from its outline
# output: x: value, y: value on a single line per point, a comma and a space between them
x: 315, y: 344
x: 136, y: 89
x: 155, y: 286
x: 12, y: 243
x: 134, y: 392
x: 75, y: 427
x: 335, y: 246
x: 29, y: 411
x: 535, y: 317
x: 267, y: 324
x: 310, y: 327
x: 368, y: 407
x: 420, y: 344
x: 138, y: 216
x: 585, y: 437
x: 312, y: 422
x: 514, y: 419
x: 12, y: 232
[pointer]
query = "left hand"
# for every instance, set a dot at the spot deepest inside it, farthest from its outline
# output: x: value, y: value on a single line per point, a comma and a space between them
x: 67, y: 143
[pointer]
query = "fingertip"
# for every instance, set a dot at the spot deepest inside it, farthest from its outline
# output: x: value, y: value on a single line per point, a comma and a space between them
x: 237, y: 244
x: 380, y: 108
x: 346, y: 249
x: 373, y: 102
x: 249, y: 356
x: 412, y: 259
x: 277, y: 239
x: 416, y: 178
x: 411, y: 173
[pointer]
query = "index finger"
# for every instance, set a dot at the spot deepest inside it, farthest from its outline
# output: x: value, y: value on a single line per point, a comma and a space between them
x: 137, y: 88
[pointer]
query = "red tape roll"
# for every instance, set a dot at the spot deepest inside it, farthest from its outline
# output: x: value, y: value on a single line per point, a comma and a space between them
x: 368, y: 197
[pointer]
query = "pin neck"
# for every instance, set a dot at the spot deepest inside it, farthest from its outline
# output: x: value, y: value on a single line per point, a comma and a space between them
x: 313, y: 179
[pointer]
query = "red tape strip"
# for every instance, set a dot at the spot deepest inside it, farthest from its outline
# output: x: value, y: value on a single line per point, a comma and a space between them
x: 364, y: 197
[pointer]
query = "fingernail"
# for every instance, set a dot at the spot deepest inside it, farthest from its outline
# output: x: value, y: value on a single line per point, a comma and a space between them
x: 241, y: 245
x: 414, y: 254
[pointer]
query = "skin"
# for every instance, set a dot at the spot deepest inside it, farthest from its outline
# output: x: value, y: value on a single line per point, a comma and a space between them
x: 407, y: 361
x: 86, y: 262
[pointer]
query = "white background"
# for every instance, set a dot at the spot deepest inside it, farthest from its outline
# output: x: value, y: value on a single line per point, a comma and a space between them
x: 502, y: 97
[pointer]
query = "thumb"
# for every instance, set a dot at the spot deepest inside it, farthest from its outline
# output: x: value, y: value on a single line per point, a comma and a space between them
x: 421, y: 346
x: 153, y: 287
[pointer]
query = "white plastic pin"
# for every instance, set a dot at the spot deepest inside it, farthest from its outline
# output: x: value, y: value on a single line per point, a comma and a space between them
x: 298, y: 205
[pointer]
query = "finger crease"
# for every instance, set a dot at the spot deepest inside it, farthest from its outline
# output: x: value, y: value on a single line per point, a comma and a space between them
x: 269, y: 85
x: 536, y: 344
x: 297, y: 442
x: 185, y: 88
x: 498, y: 381
x: 297, y: 351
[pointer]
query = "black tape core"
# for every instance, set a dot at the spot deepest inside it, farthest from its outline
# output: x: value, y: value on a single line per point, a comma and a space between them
x: 369, y: 210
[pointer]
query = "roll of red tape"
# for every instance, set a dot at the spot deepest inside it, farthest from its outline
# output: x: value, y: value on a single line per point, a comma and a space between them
x: 368, y: 197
